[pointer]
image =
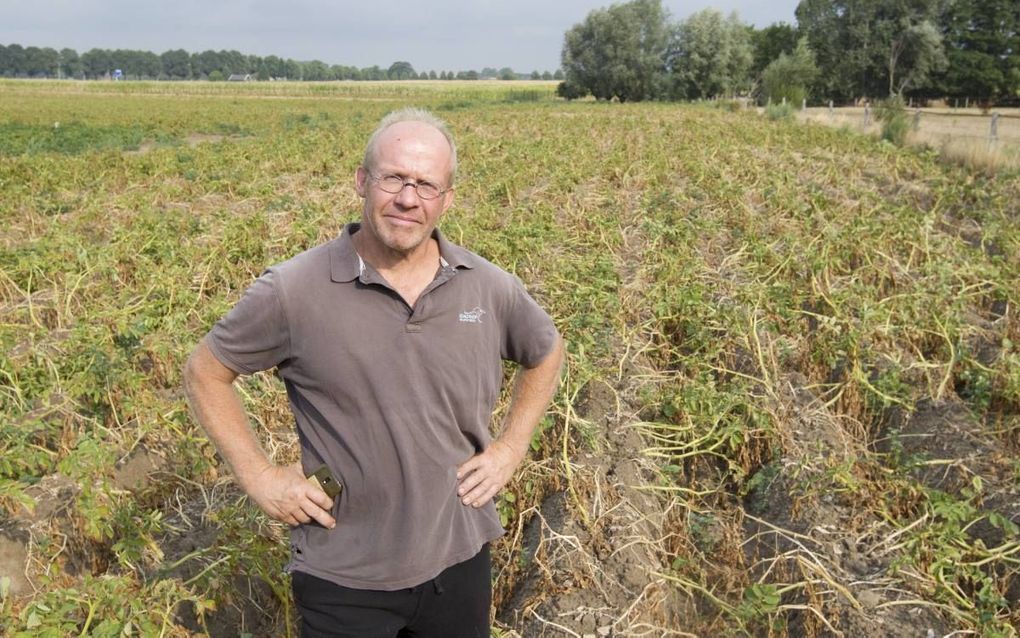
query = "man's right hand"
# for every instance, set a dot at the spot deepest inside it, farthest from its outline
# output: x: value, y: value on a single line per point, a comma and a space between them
x: 283, y: 492
x: 280, y: 490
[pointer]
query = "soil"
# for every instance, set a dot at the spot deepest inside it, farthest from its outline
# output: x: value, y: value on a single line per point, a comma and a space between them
x: 799, y: 522
x: 595, y: 575
x: 594, y: 551
x: 192, y: 140
x: 14, y: 559
x: 189, y: 548
x: 950, y: 450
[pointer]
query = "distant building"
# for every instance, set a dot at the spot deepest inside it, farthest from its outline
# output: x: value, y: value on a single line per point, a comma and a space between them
x: 237, y: 77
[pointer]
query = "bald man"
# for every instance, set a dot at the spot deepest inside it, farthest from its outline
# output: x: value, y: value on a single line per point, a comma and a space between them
x: 390, y: 341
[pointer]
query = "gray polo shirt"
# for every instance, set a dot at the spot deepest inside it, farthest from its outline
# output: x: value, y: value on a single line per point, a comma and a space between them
x: 391, y: 398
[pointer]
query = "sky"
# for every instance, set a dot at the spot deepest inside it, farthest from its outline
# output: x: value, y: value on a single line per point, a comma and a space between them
x: 454, y: 35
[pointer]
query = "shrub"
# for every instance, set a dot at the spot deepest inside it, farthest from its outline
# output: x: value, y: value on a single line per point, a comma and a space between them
x: 732, y: 106
x: 781, y: 111
x: 789, y: 75
x: 894, y: 120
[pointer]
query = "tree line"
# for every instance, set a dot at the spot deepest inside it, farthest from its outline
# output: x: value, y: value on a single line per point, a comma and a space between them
x: 838, y: 50
x: 17, y: 61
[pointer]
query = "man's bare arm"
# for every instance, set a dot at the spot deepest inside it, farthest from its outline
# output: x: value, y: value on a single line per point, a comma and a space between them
x: 281, y: 491
x: 483, y: 475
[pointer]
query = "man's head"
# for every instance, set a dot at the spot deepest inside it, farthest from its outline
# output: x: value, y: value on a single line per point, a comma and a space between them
x: 406, y: 181
x: 411, y: 114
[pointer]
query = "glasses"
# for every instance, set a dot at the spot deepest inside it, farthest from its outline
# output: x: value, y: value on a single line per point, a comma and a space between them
x: 393, y: 184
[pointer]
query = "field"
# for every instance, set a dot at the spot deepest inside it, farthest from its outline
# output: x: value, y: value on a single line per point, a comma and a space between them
x: 791, y: 405
x: 960, y: 135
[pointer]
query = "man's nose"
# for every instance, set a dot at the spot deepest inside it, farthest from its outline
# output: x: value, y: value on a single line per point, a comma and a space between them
x: 408, y: 195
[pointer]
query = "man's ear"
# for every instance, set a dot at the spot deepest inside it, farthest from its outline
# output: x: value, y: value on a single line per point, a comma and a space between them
x: 448, y: 199
x: 361, y: 181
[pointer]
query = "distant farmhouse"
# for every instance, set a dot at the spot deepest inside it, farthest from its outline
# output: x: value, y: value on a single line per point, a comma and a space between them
x: 239, y: 77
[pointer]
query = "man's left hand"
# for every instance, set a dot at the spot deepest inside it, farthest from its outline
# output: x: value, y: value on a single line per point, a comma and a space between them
x: 482, y: 476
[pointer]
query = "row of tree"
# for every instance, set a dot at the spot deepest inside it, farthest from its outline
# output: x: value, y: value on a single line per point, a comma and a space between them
x: 838, y: 50
x: 178, y: 64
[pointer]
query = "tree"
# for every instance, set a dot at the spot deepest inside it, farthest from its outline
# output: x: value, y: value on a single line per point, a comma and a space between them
x: 146, y: 64
x: 617, y: 52
x: 10, y: 60
x: 789, y: 75
x: 96, y: 63
x: 709, y: 56
x: 535, y: 75
x: 546, y: 75
x: 314, y: 71
x: 275, y: 67
x: 204, y: 63
x: 234, y: 62
x: 915, y: 53
x: 506, y: 73
x: 70, y: 64
x: 982, y: 39
x: 401, y: 71
x: 432, y: 75
x: 41, y: 62
x: 862, y: 46
x: 290, y: 69
x: 373, y: 73
x: 769, y: 42
x: 176, y: 64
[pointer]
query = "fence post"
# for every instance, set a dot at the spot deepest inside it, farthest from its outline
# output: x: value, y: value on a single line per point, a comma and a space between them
x: 867, y: 115
x: 917, y: 119
x: 784, y: 100
x: 803, y: 104
x: 831, y: 112
x: 993, y: 131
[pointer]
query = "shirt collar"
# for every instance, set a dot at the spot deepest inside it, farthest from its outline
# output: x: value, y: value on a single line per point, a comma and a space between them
x: 346, y: 264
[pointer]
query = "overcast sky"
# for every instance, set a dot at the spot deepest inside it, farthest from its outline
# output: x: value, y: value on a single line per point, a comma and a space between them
x: 440, y: 35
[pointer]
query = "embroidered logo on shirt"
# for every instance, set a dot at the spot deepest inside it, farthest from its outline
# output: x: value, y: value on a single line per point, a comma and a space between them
x: 472, y: 316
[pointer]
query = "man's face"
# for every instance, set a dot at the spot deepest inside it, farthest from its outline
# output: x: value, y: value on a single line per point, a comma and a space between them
x: 401, y: 222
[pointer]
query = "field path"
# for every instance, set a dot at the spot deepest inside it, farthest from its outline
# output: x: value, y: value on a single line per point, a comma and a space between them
x: 596, y: 549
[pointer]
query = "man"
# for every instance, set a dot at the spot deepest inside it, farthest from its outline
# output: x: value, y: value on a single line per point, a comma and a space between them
x: 390, y: 342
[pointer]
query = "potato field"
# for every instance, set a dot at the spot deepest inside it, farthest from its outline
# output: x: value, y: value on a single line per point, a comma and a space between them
x: 791, y: 405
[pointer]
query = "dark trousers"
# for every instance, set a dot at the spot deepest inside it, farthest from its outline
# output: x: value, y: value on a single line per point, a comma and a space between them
x: 454, y: 604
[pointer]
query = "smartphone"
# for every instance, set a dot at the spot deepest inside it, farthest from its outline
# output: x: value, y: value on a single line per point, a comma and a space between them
x: 323, y: 478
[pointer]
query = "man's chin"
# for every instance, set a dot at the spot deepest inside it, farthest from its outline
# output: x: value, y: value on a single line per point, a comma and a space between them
x: 402, y: 244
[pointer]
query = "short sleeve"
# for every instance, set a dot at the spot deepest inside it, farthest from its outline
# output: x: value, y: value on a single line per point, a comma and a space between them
x: 529, y: 332
x: 254, y: 335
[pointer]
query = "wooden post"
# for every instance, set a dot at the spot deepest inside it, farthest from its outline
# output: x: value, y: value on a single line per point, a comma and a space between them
x: 867, y: 115
x: 993, y: 131
x: 831, y: 112
x: 803, y: 104
x: 917, y: 119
